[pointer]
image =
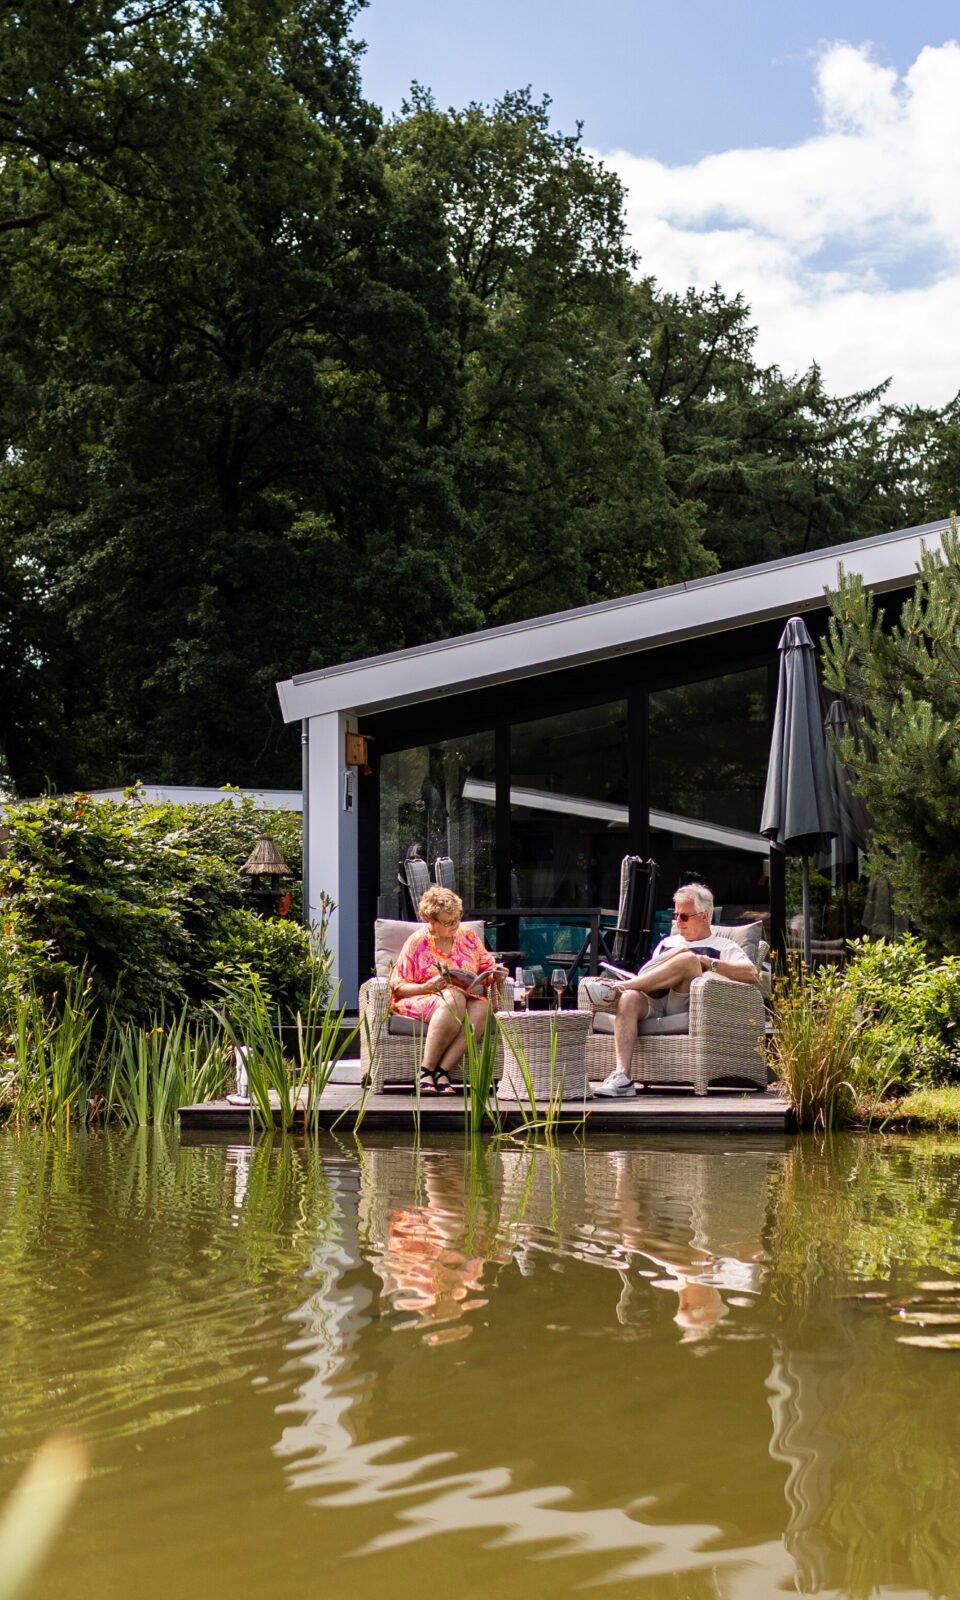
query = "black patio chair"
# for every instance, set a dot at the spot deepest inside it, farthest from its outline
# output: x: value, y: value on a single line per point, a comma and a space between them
x: 445, y: 873
x: 630, y: 941
x: 627, y: 944
x: 414, y: 880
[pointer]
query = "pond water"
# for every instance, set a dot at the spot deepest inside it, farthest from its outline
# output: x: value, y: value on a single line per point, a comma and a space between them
x: 676, y: 1365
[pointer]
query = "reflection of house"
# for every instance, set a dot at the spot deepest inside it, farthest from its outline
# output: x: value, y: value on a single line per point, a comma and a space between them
x: 536, y: 753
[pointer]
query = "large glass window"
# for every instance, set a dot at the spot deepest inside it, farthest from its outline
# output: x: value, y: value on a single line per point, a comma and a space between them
x: 709, y: 744
x: 437, y: 800
x: 568, y: 807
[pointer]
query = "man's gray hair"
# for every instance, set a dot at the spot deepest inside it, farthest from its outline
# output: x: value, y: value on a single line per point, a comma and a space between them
x: 701, y: 896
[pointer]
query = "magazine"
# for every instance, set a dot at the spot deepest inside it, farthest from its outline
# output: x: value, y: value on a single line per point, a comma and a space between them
x: 463, y: 978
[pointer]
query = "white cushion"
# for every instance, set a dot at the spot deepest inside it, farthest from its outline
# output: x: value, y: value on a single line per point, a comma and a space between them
x: 389, y: 936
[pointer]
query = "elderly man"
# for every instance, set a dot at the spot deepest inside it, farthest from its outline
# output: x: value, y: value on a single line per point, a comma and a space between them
x: 662, y: 986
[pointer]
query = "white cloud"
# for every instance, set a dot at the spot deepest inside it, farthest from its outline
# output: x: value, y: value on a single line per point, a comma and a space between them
x: 847, y: 246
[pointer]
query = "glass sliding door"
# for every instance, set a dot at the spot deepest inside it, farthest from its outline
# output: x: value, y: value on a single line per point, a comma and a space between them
x: 708, y: 745
x: 437, y: 800
x: 568, y: 806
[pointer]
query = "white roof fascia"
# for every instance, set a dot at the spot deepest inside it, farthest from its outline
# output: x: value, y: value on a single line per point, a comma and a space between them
x: 191, y: 795
x: 612, y: 627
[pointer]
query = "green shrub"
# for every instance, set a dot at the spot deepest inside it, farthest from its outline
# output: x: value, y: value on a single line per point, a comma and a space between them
x: 913, y: 1001
x: 145, y: 898
x: 279, y: 952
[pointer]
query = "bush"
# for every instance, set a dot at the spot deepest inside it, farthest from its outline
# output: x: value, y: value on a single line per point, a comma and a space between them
x: 914, y: 1001
x: 146, y: 899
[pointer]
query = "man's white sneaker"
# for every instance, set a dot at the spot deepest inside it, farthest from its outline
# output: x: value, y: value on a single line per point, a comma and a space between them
x: 616, y: 1087
x: 600, y: 991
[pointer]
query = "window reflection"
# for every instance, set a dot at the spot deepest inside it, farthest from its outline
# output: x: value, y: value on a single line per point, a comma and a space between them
x: 425, y: 811
x: 709, y: 744
x: 568, y: 811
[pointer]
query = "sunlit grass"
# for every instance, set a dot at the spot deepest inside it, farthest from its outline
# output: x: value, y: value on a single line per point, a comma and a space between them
x: 152, y: 1072
x: 926, y: 1108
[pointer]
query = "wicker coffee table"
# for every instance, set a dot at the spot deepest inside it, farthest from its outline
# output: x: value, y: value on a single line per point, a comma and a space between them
x: 527, y: 1037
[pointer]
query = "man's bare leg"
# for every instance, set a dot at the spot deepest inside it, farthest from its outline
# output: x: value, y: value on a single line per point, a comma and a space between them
x: 632, y: 1008
x: 677, y: 972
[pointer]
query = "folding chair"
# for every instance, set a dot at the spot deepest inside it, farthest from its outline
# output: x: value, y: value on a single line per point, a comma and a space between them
x: 414, y: 880
x: 633, y: 935
x: 628, y: 943
x: 445, y: 873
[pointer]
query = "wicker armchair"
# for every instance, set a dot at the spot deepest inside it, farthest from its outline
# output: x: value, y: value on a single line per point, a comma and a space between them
x: 720, y: 1041
x: 391, y: 1048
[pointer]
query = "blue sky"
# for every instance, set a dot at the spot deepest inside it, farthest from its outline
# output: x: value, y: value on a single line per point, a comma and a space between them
x: 805, y: 156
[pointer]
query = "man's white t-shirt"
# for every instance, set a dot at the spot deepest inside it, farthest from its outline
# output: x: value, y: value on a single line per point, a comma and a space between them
x: 714, y: 944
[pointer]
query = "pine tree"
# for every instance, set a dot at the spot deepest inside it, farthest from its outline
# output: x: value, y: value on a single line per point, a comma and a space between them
x: 902, y: 683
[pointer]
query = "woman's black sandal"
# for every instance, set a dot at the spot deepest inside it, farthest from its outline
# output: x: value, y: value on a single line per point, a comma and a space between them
x: 435, y: 1082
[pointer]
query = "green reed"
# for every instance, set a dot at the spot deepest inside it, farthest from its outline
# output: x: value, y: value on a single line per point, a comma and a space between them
x: 252, y: 1022
x: 479, y: 1066
x: 152, y: 1072
x: 830, y: 1063
x: 52, y: 1053
x: 320, y: 1048
x: 535, y: 1121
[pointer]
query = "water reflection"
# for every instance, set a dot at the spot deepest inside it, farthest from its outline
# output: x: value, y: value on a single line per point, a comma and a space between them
x: 652, y: 1362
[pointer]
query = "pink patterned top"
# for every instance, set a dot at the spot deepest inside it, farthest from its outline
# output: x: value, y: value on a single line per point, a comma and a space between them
x: 417, y: 963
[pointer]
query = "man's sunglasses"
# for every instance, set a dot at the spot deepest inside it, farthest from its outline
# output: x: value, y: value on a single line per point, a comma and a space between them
x: 688, y: 916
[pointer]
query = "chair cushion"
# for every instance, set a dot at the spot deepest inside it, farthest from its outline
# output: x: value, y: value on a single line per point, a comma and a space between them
x: 408, y: 1027
x: 388, y: 939
x: 748, y: 935
x: 678, y: 1023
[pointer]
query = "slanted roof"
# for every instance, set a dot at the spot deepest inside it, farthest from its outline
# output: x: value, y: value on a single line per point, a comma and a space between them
x: 612, y: 627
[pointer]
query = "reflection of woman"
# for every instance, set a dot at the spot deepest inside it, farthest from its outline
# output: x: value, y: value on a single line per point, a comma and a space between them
x: 419, y: 988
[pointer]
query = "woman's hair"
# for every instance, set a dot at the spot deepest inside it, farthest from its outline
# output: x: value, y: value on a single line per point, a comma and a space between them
x: 439, y: 903
x: 701, y: 896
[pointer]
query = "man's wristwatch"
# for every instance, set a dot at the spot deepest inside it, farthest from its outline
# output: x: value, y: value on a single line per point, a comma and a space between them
x: 714, y: 964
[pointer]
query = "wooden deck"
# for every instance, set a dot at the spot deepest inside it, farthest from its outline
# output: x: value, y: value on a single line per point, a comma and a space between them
x: 652, y: 1110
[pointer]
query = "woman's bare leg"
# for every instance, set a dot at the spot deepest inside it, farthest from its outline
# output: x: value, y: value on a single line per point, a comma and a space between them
x: 478, y: 1015
x: 445, y: 1025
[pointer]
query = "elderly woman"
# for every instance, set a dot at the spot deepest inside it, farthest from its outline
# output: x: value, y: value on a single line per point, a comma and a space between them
x: 419, y: 987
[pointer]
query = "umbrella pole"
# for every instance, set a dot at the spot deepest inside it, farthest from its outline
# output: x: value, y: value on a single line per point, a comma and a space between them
x: 806, y: 911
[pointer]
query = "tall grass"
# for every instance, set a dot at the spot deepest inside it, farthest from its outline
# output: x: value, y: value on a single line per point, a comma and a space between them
x: 152, y: 1072
x: 833, y: 1063
x: 537, y: 1119
x: 251, y: 1021
x: 52, y: 1053
x: 479, y: 1065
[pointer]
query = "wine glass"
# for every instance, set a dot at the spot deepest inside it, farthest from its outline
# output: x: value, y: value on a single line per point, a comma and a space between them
x: 528, y: 982
x: 558, y: 982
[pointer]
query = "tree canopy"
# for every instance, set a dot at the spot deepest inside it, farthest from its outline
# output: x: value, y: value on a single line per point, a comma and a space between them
x: 281, y: 386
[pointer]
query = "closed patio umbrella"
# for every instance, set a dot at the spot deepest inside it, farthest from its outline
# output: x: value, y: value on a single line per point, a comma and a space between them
x: 798, y: 813
x: 853, y: 818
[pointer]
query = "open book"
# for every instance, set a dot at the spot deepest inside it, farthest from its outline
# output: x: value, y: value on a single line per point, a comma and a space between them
x: 463, y: 978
